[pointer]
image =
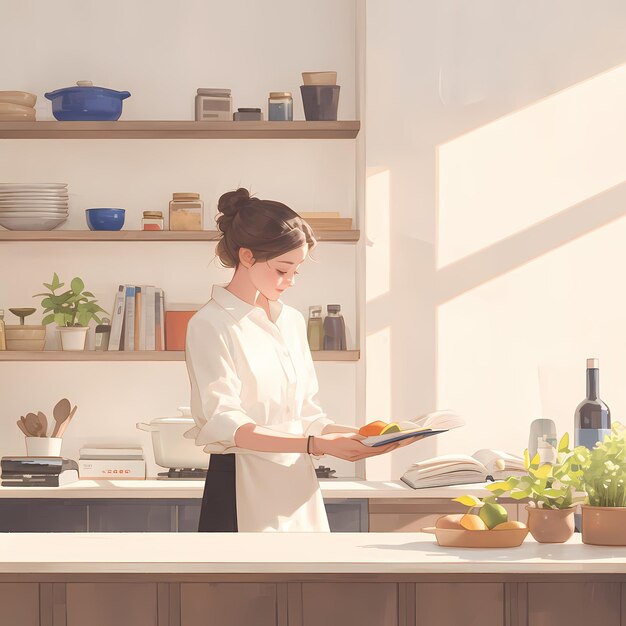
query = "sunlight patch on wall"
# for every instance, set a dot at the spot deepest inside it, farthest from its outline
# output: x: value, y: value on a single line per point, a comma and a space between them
x: 377, y: 251
x: 527, y: 166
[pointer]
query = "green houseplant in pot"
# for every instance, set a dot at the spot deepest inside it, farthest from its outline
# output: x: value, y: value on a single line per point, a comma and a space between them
x: 554, y: 489
x: 71, y: 310
x: 604, y: 476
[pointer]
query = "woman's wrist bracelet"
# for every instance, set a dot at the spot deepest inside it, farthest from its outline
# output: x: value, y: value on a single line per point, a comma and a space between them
x: 308, y: 444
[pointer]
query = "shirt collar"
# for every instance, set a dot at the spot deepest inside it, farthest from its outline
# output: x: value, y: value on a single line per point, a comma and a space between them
x: 238, y: 308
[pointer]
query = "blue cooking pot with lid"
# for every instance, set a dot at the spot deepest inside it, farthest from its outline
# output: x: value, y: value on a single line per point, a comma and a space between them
x: 87, y: 103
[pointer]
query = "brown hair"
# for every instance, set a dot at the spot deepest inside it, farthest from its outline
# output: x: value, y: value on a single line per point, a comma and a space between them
x: 266, y: 227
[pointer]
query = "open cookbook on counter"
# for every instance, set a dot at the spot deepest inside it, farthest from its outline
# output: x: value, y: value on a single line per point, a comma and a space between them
x: 460, y: 469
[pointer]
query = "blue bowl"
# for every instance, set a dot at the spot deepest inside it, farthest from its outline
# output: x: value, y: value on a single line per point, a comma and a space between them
x: 105, y: 219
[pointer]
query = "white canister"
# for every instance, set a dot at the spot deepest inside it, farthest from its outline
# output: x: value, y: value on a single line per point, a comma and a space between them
x: 43, y: 446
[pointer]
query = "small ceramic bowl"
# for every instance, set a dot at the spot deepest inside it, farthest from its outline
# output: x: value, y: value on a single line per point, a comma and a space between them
x: 319, y: 78
x: 105, y: 219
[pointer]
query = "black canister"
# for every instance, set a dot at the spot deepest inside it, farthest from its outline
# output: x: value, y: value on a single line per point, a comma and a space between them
x: 320, y: 102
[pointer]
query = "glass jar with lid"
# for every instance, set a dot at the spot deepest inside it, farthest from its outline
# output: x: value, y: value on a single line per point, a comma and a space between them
x: 186, y: 212
x: 152, y: 220
x: 280, y: 106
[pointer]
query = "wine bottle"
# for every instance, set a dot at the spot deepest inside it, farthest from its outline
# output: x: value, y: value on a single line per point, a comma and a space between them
x: 592, y: 419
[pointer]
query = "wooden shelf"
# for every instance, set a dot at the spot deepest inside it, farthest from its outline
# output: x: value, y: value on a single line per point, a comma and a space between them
x: 154, y: 129
x: 150, y: 355
x: 148, y: 235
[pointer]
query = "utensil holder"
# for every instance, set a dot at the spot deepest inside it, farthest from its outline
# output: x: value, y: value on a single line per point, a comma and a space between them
x: 43, y: 446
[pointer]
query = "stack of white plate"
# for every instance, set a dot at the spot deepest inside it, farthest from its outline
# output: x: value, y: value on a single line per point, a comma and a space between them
x: 33, y: 206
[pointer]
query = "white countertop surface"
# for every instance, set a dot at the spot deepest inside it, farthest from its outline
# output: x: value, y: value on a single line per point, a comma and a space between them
x: 291, y: 553
x: 152, y: 488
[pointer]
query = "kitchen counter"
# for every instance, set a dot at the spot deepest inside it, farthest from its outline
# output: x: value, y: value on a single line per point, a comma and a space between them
x: 152, y: 488
x: 310, y: 553
x: 286, y: 579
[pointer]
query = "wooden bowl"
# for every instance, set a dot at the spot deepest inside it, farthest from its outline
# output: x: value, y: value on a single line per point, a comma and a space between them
x: 478, y: 538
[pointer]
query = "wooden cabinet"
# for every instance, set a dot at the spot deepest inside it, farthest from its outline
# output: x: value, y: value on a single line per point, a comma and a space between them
x: 413, y: 514
x: 19, y: 604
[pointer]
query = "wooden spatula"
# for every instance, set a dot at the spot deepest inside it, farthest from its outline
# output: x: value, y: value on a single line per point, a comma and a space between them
x: 20, y: 425
x: 60, y: 412
x: 64, y: 425
x: 31, y: 421
x: 43, y: 424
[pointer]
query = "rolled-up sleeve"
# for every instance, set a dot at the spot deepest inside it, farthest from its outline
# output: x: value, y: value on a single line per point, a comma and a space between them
x: 313, y: 417
x: 215, y: 388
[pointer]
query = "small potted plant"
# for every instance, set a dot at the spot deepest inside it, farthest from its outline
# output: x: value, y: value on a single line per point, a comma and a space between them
x: 554, y: 490
x: 604, y: 476
x: 72, y: 311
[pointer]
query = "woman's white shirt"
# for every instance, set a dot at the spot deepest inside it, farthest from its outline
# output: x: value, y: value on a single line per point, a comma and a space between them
x: 245, y: 368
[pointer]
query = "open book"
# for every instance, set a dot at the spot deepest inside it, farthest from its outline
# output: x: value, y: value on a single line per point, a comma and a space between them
x: 459, y: 469
x: 423, y: 426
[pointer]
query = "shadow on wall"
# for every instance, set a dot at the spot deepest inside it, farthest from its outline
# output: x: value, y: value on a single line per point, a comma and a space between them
x: 521, y: 188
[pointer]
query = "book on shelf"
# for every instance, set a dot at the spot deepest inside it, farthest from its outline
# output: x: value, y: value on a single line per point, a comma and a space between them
x: 148, y: 300
x: 159, y: 308
x: 460, y: 469
x: 138, y: 314
x: 117, y: 319
x: 129, y: 319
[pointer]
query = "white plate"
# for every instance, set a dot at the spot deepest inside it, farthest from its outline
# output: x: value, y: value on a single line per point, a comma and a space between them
x: 25, y: 223
x: 18, y: 204
x: 33, y: 214
x: 31, y: 186
x: 33, y: 194
x: 36, y: 208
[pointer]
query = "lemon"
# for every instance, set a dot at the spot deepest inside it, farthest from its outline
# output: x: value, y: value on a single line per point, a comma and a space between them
x: 393, y: 427
x: 493, y: 514
x: 450, y: 521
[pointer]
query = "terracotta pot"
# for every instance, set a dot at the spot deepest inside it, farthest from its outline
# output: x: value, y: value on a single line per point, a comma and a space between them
x: 551, y: 525
x: 604, y: 525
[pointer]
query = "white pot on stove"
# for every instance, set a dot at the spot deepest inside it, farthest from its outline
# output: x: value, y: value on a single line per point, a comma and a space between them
x: 171, y: 449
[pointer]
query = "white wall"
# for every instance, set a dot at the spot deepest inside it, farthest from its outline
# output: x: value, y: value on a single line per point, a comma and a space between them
x: 162, y: 52
x: 495, y: 211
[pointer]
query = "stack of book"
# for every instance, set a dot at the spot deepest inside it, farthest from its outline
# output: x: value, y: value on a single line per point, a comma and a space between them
x: 138, y: 321
x: 327, y: 220
x: 37, y: 471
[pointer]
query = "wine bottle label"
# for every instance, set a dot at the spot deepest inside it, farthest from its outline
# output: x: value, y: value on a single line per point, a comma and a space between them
x: 589, y: 436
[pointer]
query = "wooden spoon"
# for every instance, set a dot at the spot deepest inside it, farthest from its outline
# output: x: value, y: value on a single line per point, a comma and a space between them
x: 64, y: 425
x: 43, y: 424
x: 20, y: 425
x: 60, y: 412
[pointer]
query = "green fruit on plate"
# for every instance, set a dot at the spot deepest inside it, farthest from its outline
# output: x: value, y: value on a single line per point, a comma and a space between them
x: 493, y: 514
x: 390, y: 428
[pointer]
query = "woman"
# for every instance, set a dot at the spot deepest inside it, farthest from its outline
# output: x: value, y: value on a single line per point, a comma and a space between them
x: 253, y: 382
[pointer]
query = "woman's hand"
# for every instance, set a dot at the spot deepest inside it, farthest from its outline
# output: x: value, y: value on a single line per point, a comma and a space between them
x: 348, y: 446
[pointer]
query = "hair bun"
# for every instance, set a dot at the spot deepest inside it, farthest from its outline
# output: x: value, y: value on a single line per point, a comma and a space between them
x: 229, y: 205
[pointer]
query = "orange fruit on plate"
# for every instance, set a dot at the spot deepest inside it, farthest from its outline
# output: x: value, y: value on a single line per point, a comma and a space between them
x: 372, y: 429
x: 452, y: 522
x: 472, y: 522
x: 513, y: 524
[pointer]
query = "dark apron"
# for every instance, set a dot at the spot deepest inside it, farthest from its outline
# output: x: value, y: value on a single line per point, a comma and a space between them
x: 219, y: 503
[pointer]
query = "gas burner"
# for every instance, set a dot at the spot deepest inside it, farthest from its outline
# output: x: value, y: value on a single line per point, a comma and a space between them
x: 185, y: 473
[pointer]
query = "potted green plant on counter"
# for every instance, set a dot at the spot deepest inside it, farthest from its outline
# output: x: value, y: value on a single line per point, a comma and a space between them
x: 72, y: 311
x: 554, y: 489
x: 604, y: 476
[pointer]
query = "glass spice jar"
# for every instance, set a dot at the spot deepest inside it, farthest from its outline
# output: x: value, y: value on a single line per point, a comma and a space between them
x: 186, y: 212
x: 280, y: 106
x: 152, y: 220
